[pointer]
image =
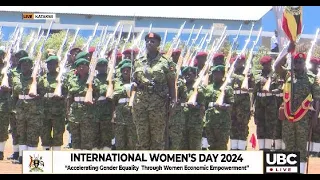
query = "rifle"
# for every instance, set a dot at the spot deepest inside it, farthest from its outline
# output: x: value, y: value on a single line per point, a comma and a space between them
x: 35, y: 42
x: 221, y: 96
x: 231, y: 49
x: 112, y: 67
x: 89, y: 94
x: 192, y: 99
x: 175, y: 41
x: 127, y: 39
x: 311, y: 49
x: 164, y: 41
x: 188, y: 54
x: 245, y: 82
x: 59, y: 53
x: 33, y: 87
x: 26, y: 46
x: 4, y: 71
x: 267, y: 85
x: 210, y: 38
x: 85, y: 47
x: 62, y: 64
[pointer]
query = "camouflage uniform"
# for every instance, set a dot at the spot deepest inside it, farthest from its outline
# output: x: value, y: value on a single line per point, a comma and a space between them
x: 13, y: 121
x: 103, y: 114
x: 177, y: 119
x: 266, y: 112
x: 240, y: 114
x: 151, y: 102
x: 5, y: 111
x: 29, y: 112
x: 80, y: 115
x: 193, y: 121
x: 218, y: 122
x: 125, y: 131
x: 278, y: 125
x: 54, y: 112
x: 295, y: 134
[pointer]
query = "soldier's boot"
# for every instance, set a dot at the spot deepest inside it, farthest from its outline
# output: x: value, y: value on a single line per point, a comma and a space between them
x: 1, y: 155
x: 46, y: 148
x: 313, y: 154
x: 18, y: 161
x: 13, y: 156
x: 234, y: 144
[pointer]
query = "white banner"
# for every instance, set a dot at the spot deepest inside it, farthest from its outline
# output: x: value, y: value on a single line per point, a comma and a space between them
x: 143, y: 162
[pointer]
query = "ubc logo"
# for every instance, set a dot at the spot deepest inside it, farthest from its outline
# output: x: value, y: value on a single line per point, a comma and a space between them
x: 281, y: 162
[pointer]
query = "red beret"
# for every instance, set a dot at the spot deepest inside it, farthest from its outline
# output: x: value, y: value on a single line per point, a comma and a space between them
x: 202, y: 54
x: 299, y: 56
x: 119, y: 53
x: 178, y: 51
x: 314, y: 60
x: 195, y: 63
x: 92, y: 49
x: 218, y: 55
x: 232, y: 60
x: 265, y: 59
x: 242, y: 57
x: 128, y: 51
x: 110, y: 53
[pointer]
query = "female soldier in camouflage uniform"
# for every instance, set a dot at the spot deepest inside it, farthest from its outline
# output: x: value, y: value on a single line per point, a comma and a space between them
x: 218, y: 118
x: 81, y: 114
x: 28, y: 108
x: 103, y: 109
x: 193, y: 112
x: 125, y: 132
x: 5, y: 93
x: 54, y: 107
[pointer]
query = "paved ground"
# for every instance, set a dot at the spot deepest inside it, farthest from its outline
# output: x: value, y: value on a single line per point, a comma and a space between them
x: 6, y: 167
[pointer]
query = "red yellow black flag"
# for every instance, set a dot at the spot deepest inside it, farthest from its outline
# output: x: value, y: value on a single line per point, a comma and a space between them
x: 292, y: 22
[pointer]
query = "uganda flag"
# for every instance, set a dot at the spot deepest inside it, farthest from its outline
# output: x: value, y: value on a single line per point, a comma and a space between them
x: 292, y: 22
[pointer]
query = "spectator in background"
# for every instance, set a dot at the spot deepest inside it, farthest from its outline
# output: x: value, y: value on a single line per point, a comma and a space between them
x: 274, y: 42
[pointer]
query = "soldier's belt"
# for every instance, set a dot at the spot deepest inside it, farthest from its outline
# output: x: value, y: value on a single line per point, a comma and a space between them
x: 264, y: 94
x: 279, y: 95
x: 211, y: 104
x: 25, y: 97
x: 123, y: 100
x: 48, y: 95
x: 102, y: 98
x: 240, y: 92
x: 79, y: 99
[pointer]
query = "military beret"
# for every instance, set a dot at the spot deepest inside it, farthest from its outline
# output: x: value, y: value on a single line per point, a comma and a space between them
x: 75, y: 49
x: 52, y: 58
x: 202, y: 54
x: 152, y: 36
x: 314, y: 60
x: 218, y: 55
x: 21, y: 53
x: 110, y: 53
x: 218, y: 68
x: 242, y: 57
x: 82, y: 54
x: 299, y: 56
x: 186, y: 69
x: 177, y: 51
x: 25, y: 59
x: 92, y: 49
x: 125, y: 65
x: 81, y: 61
x: 102, y: 61
x: 128, y: 51
x: 123, y: 62
x: 232, y: 60
x: 265, y: 59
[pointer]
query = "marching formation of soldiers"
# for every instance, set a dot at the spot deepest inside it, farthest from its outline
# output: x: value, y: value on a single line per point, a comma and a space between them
x: 126, y: 101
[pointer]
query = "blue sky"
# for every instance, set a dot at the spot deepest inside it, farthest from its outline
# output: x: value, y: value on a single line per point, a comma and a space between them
x: 309, y: 20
